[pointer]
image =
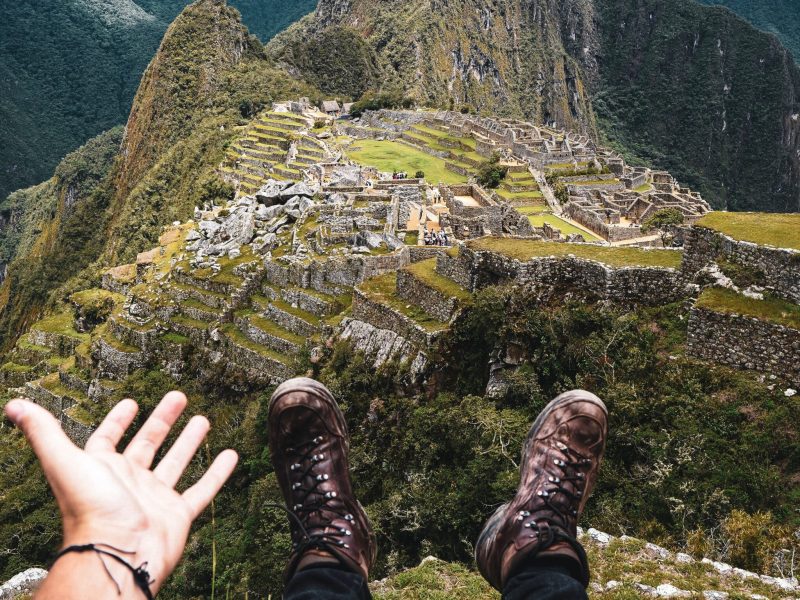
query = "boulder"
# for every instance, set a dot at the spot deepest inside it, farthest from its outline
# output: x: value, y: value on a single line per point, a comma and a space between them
x: 193, y: 236
x: 297, y: 206
x: 298, y: 189
x: 272, y: 192
x: 23, y: 584
x: 209, y: 228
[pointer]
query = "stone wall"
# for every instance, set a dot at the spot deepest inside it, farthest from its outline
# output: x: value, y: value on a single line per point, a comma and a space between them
x: 550, y: 275
x: 384, y: 317
x: 781, y: 267
x: 745, y: 343
x: 456, y: 268
x: 116, y: 363
x: 438, y: 305
x: 259, y: 367
x: 63, y: 345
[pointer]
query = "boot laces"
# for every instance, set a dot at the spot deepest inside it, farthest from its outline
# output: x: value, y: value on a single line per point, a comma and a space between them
x: 556, y: 526
x: 313, y: 511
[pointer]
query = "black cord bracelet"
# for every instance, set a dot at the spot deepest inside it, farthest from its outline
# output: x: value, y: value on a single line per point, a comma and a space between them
x: 140, y: 575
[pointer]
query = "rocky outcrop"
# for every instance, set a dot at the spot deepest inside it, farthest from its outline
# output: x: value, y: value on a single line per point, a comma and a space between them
x: 22, y: 585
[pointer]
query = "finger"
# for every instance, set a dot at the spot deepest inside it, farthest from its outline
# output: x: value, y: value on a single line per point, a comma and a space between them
x: 148, y: 439
x: 202, y: 493
x: 172, y: 466
x: 43, y: 431
x: 113, y: 427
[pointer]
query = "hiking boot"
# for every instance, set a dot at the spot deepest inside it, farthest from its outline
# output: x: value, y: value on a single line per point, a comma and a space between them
x: 309, y: 445
x: 559, y: 466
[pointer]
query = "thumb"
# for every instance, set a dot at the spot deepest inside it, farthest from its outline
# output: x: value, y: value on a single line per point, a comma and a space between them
x: 51, y: 445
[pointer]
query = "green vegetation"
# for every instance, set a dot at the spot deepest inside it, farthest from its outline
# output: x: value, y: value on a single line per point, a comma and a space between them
x: 524, y: 250
x: 372, y: 101
x: 383, y: 289
x: 491, y: 172
x: 779, y: 17
x: 779, y: 230
x: 390, y: 156
x: 60, y: 324
x: 70, y: 72
x: 447, y: 457
x: 425, y: 271
x: 337, y: 60
x: 774, y: 310
x: 676, y: 102
x: 537, y: 220
x: 535, y: 209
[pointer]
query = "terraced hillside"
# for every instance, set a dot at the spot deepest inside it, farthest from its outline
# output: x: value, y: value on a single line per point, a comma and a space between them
x: 274, y: 146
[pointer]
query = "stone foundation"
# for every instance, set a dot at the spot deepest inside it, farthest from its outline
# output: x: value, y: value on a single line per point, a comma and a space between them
x: 745, y: 343
x: 780, y: 267
x: 433, y: 302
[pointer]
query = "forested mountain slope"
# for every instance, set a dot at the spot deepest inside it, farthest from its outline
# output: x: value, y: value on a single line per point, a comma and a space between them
x: 781, y: 17
x: 69, y: 70
x: 208, y: 70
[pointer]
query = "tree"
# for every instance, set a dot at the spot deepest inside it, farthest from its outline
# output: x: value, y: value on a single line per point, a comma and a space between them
x: 491, y: 173
x: 662, y: 221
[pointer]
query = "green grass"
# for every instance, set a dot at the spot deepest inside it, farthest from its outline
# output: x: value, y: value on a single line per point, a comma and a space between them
x: 773, y: 310
x: 772, y: 229
x: 52, y: 383
x: 425, y: 271
x: 61, y: 324
x: 532, y: 209
x: 562, y: 225
x: 175, y: 338
x: 273, y: 329
x: 614, y: 257
x: 382, y: 289
x: 643, y: 188
x: 294, y: 311
x: 390, y: 156
x: 189, y: 322
x: 119, y: 345
x: 96, y: 297
x: 11, y: 367
x: 510, y: 196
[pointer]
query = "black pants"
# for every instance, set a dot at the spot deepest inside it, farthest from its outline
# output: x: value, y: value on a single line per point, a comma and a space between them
x: 549, y: 582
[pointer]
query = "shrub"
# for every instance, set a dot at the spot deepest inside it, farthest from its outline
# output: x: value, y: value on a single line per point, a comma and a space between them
x: 419, y: 175
x: 491, y: 173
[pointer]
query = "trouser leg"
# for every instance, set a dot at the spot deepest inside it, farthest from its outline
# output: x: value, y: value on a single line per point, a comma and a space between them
x: 548, y: 581
x: 326, y: 583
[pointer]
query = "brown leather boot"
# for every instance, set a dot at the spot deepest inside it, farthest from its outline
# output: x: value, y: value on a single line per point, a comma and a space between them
x: 309, y: 445
x: 560, y: 461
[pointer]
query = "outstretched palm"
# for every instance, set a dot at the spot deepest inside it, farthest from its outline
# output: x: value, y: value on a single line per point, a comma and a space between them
x: 115, y: 498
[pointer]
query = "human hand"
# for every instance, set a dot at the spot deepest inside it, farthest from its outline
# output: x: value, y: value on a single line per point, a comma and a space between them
x: 113, y: 498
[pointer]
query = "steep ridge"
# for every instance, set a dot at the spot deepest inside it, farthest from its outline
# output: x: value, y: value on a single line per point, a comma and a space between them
x: 774, y: 16
x: 70, y: 71
x: 513, y: 58
x: 208, y: 74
